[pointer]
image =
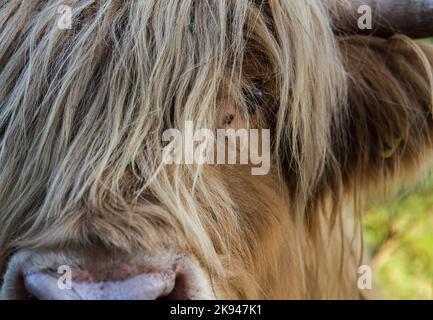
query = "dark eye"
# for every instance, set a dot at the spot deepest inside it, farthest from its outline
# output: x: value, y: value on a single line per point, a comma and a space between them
x: 254, y: 96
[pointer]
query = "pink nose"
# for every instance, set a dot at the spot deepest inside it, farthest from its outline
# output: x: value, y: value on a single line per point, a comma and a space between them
x: 144, y: 286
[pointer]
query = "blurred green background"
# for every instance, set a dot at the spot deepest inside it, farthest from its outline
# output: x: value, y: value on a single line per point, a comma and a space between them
x: 399, y: 237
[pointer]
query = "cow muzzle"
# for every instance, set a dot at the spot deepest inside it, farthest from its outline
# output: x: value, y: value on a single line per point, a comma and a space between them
x: 54, y: 277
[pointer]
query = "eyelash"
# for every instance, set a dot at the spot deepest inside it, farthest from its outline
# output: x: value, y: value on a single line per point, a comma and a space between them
x: 254, y: 97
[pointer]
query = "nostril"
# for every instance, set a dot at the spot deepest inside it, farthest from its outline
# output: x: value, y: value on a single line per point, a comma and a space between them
x: 20, y: 291
x: 145, y: 286
x: 181, y: 289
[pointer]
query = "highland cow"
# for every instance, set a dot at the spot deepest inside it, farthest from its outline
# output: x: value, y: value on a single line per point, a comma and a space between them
x: 82, y: 113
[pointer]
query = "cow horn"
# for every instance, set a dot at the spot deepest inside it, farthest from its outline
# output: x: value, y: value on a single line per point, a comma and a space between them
x: 413, y: 18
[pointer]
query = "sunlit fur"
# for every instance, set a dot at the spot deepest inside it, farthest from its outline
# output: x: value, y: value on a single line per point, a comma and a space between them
x: 82, y: 112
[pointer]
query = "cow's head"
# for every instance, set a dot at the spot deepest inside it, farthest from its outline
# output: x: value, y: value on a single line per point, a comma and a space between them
x: 85, y: 191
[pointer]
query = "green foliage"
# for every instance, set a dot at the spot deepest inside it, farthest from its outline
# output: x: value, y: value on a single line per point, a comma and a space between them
x: 428, y: 41
x: 399, y: 236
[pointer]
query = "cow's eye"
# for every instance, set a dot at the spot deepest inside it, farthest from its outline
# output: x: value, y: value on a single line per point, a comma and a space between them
x: 255, y: 96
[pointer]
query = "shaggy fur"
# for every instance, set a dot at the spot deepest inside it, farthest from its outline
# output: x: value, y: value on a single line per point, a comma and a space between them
x: 82, y: 112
